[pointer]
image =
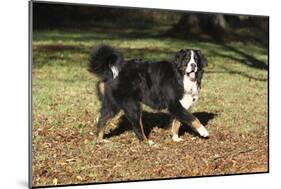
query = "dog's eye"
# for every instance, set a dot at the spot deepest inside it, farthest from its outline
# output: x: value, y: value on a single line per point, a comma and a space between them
x: 187, y: 57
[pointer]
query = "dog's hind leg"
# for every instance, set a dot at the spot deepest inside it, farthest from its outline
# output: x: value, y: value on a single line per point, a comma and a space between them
x: 142, y: 129
x: 132, y: 111
x: 105, y: 115
x: 150, y: 142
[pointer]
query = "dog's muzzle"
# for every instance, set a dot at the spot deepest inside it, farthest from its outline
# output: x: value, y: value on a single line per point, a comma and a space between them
x: 191, y: 71
x: 191, y: 75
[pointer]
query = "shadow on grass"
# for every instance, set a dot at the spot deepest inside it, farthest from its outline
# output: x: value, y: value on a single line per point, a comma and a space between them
x: 233, y: 72
x: 243, y: 57
x: 150, y: 120
x: 111, y: 32
x: 54, y: 52
x: 155, y: 54
x: 159, y: 120
x: 60, y: 48
x: 130, y: 52
x: 247, y: 59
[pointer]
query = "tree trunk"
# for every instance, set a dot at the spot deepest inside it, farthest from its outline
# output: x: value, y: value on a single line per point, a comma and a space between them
x: 213, y: 25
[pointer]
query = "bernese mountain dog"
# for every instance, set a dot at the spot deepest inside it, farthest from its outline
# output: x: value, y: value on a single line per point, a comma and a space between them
x: 125, y: 85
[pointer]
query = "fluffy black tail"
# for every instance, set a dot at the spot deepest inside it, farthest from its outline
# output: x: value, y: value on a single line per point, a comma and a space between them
x: 105, y: 62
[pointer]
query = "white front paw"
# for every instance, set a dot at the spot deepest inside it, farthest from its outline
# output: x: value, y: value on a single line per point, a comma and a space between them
x: 150, y: 143
x: 203, y: 131
x: 103, y: 141
x: 176, y: 138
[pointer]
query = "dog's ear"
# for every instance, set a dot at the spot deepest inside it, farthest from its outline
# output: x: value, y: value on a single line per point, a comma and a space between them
x: 202, y: 59
x: 179, y: 57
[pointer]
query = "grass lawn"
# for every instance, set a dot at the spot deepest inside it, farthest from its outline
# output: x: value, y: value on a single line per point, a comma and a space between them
x: 233, y: 105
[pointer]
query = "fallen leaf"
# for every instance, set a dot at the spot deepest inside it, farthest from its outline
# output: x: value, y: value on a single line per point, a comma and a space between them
x: 55, y: 181
x: 79, y: 177
x: 70, y: 160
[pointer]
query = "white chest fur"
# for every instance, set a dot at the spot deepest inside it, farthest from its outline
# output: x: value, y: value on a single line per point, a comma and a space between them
x: 191, y: 93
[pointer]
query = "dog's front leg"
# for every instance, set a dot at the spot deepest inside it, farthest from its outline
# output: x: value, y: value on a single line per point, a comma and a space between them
x: 175, y: 130
x: 179, y: 112
x: 199, y: 128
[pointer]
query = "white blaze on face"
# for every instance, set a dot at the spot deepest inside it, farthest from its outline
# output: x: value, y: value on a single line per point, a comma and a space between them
x: 189, y: 67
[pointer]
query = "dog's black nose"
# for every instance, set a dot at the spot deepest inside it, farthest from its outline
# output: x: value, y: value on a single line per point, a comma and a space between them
x: 193, y: 66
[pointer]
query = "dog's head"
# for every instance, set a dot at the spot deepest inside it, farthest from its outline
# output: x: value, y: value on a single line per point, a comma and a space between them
x: 190, y: 63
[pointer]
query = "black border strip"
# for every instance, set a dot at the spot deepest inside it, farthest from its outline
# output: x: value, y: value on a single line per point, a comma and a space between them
x: 30, y: 28
x: 30, y: 33
x: 268, y: 100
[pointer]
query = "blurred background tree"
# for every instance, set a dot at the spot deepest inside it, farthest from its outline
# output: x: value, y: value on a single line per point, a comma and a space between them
x: 202, y: 26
